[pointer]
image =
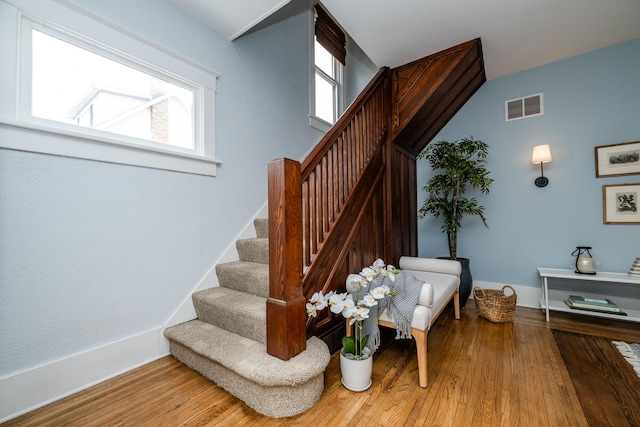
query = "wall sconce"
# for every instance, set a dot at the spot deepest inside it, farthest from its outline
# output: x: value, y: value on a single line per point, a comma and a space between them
x: 541, y: 154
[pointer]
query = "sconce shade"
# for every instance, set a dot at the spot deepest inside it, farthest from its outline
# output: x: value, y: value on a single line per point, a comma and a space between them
x: 541, y: 154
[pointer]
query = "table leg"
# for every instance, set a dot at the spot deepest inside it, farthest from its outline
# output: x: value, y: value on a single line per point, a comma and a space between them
x: 546, y: 296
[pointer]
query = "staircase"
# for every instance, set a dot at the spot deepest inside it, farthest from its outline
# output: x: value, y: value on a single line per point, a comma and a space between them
x: 226, y: 343
x: 350, y: 201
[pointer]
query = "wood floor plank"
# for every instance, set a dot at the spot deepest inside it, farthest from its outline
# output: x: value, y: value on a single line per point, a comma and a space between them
x: 480, y: 374
x: 608, y: 386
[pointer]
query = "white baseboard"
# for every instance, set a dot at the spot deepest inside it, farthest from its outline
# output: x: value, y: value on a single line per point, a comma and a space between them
x: 39, y: 386
x: 33, y: 388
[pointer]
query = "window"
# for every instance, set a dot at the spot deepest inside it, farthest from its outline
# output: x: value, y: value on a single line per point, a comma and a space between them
x: 81, y: 78
x: 329, y: 57
x: 72, y: 85
x: 327, y: 84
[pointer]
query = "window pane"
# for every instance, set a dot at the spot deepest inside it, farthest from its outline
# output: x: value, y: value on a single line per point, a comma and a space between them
x: 325, y: 99
x: 73, y: 85
x: 324, y: 60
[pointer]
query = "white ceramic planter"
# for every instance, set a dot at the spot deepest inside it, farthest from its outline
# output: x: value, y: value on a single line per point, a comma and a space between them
x: 356, y: 374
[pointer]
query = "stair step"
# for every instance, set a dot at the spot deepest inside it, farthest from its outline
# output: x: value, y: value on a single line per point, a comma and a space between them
x: 249, y: 277
x: 262, y: 227
x: 253, y: 250
x: 238, y: 312
x: 271, y: 386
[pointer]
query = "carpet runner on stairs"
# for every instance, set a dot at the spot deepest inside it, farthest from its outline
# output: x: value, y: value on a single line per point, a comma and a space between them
x: 226, y: 343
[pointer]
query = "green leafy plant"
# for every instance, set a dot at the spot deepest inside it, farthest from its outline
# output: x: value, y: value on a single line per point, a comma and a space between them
x: 459, y: 165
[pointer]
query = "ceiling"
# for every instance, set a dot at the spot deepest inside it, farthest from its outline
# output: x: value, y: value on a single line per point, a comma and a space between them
x: 516, y: 34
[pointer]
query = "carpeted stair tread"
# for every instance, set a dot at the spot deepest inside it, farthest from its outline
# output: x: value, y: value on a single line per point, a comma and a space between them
x: 253, y: 250
x: 262, y: 228
x: 238, y: 312
x: 250, y: 277
x: 226, y: 343
x: 249, y: 358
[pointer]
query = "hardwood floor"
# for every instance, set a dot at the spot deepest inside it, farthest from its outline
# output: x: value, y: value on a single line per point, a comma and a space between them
x: 480, y: 374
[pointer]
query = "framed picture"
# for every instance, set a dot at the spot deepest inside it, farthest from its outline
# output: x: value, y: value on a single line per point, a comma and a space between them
x: 618, y: 159
x: 620, y: 203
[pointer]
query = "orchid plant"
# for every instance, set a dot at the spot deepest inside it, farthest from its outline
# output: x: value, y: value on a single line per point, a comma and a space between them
x: 352, y: 306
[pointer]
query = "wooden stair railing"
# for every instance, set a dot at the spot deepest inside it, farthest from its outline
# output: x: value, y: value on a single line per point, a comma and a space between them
x: 307, y: 202
x: 353, y: 199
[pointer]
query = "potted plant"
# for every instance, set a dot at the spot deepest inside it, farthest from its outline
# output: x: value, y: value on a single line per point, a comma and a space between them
x: 356, y: 361
x: 459, y: 165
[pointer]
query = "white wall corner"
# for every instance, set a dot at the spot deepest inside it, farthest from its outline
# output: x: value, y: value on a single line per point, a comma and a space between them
x: 186, y: 311
x: 25, y: 391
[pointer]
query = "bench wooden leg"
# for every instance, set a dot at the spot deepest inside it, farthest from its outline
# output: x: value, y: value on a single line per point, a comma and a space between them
x: 421, y: 345
x: 456, y: 304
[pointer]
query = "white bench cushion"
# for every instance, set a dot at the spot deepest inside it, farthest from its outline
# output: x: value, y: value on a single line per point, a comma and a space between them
x: 436, y: 292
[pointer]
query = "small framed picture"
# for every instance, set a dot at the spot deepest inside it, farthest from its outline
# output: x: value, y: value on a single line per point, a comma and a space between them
x: 618, y: 159
x: 620, y: 203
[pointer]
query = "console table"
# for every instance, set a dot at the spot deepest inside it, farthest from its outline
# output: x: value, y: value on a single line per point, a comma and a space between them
x: 559, y: 305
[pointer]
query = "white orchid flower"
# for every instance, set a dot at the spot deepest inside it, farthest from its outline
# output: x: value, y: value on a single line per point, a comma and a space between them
x: 369, y: 273
x: 369, y: 300
x: 336, y: 302
x: 347, y: 307
x: 311, y: 310
x: 355, y: 282
x: 379, y: 292
x: 359, y: 314
x: 378, y: 264
x: 318, y: 300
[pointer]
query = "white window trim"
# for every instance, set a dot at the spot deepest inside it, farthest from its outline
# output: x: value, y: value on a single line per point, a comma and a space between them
x: 315, y: 121
x: 49, y: 137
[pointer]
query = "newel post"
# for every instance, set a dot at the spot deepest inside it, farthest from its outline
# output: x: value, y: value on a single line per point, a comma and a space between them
x: 286, y: 317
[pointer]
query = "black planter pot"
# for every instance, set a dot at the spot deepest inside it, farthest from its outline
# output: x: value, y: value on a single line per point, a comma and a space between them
x: 466, y: 281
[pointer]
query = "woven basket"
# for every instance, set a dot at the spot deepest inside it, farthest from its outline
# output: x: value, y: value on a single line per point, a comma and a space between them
x: 494, y: 305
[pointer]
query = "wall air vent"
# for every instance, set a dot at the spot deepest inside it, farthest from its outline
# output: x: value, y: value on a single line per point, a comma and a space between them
x: 521, y: 108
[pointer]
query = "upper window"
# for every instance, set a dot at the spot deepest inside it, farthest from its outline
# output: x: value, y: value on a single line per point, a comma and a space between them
x: 329, y: 54
x: 104, y: 86
x: 327, y: 80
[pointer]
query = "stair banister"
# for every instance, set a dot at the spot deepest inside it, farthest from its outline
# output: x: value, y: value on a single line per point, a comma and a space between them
x: 309, y: 189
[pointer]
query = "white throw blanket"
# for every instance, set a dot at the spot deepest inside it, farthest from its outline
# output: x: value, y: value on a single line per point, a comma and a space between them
x: 400, y: 307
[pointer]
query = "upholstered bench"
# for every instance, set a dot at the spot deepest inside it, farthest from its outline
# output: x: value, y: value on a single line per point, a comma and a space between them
x: 441, y: 281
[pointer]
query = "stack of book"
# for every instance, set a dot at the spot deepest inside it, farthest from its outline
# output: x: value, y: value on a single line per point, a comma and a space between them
x: 601, y: 305
x: 635, y: 268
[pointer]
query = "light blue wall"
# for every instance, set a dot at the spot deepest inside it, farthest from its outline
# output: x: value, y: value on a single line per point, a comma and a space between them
x: 359, y: 70
x: 91, y: 252
x: 589, y: 100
